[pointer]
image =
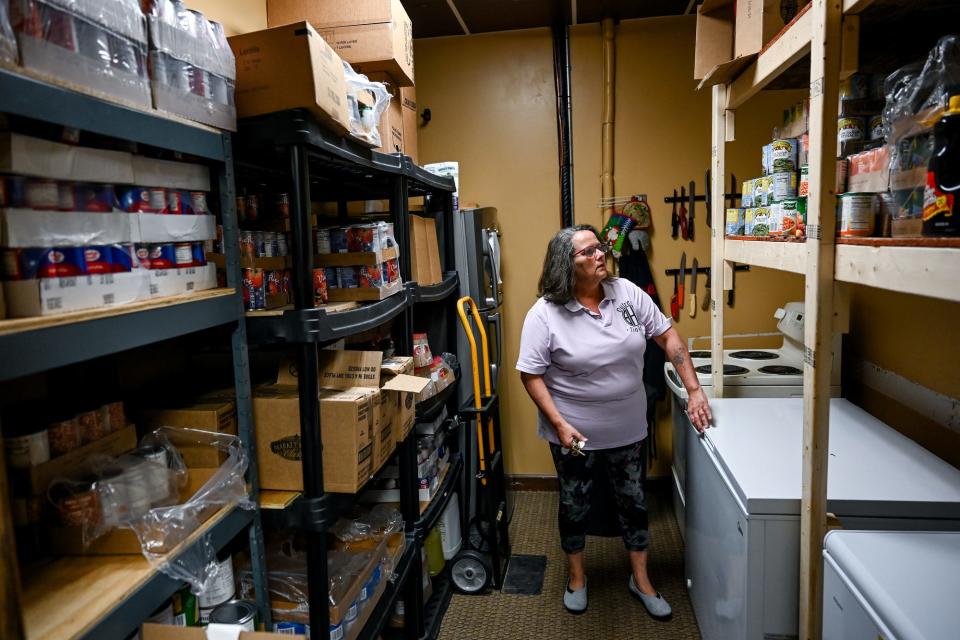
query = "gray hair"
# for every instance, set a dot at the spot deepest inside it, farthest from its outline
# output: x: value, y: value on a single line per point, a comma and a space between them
x: 558, y: 280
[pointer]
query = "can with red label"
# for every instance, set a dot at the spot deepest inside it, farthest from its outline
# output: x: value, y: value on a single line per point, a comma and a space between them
x: 27, y: 264
x: 122, y: 257
x: 319, y: 286
x: 283, y: 205
x: 252, y: 208
x: 253, y: 289
x: 198, y: 200
x: 174, y: 202
x: 163, y: 256
x: 96, y: 198
x: 97, y: 260
x: 183, y: 252
x: 287, y: 280
x: 241, y: 209
x: 158, y: 200
x: 68, y: 197
x: 274, y: 283
x: 135, y: 200
x: 141, y: 256
x: 42, y: 194
x: 248, y: 245
x: 198, y: 255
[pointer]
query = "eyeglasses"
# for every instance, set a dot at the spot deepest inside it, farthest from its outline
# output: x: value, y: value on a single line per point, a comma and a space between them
x: 589, y: 252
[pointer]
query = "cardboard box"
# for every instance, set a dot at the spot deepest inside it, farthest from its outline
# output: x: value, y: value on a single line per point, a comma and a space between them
x: 425, y: 258
x: 152, y: 631
x: 29, y: 156
x: 345, y: 420
x: 404, y: 400
x: 372, y: 35
x: 216, y: 416
x: 364, y: 294
x: 390, y: 127
x: 757, y: 22
x: 290, y: 67
x: 385, y: 437
x: 411, y: 122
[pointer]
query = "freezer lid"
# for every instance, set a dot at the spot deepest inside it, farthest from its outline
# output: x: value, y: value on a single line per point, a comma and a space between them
x: 909, y: 580
x: 874, y: 470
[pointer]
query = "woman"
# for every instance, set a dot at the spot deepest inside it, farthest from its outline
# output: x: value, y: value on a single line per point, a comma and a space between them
x: 581, y: 361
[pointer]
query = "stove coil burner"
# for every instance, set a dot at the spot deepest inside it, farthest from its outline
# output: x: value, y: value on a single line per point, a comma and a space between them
x: 728, y: 369
x: 754, y: 355
x: 781, y: 370
x: 699, y: 354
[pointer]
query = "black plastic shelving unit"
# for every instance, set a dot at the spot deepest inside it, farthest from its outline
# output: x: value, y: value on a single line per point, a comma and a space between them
x: 27, y: 350
x: 293, y: 148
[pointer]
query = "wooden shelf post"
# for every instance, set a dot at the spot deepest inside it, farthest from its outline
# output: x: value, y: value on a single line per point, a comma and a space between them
x: 719, y: 217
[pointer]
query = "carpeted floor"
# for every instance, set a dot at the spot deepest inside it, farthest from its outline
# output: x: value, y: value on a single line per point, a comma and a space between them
x: 612, y: 613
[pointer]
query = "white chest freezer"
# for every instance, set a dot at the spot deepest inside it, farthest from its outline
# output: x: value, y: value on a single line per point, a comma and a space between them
x: 894, y: 585
x: 743, y: 505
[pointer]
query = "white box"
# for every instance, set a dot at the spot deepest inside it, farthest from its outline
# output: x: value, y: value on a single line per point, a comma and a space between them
x: 29, y: 156
x: 29, y: 228
x: 48, y: 296
x: 149, y: 172
x: 174, y: 282
x: 156, y: 227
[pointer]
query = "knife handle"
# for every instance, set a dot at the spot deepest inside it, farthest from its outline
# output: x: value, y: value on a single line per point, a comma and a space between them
x: 680, y: 296
x: 693, y: 305
x: 706, y: 303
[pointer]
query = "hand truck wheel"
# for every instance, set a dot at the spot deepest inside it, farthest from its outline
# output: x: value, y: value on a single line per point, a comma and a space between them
x: 470, y: 572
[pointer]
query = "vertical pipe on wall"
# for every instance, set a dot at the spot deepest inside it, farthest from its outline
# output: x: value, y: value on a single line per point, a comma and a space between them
x: 609, y: 112
x: 561, y: 76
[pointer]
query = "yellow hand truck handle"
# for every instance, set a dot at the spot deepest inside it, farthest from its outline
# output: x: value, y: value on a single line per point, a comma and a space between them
x: 462, y: 304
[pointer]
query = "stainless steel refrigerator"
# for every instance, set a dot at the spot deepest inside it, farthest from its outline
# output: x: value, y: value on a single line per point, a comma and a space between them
x: 477, y: 243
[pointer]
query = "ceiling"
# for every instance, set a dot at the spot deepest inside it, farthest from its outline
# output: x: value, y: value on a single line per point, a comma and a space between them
x: 432, y: 18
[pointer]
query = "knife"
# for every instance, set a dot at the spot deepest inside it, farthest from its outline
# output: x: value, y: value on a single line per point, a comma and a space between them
x: 733, y: 283
x: 693, y: 203
x: 683, y: 274
x: 674, y: 305
x: 693, y: 290
x: 674, y: 220
x: 683, y: 213
x: 706, y: 297
x: 708, y: 197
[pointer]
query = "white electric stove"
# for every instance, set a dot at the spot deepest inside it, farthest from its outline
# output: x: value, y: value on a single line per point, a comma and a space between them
x: 748, y: 373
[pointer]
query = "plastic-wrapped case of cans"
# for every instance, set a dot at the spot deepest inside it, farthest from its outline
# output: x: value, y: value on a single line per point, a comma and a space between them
x: 101, y: 44
x: 734, y: 222
x: 193, y: 68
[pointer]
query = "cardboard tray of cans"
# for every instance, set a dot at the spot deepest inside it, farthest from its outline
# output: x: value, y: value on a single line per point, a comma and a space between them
x: 364, y: 294
x: 274, y: 263
x: 355, y: 258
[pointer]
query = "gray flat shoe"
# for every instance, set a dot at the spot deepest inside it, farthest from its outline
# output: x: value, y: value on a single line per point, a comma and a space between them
x: 656, y: 606
x: 575, y: 601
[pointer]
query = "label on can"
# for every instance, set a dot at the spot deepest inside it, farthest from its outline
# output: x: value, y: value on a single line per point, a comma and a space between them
x: 28, y: 451
x: 348, y: 277
x: 788, y: 217
x: 850, y: 129
x: 219, y: 588
x: 198, y: 254
x: 734, y: 225
x: 174, y: 202
x: 875, y: 127
x: 783, y: 155
x: 858, y: 214
x: 323, y: 241
x: 252, y: 208
x: 198, y: 201
x: 42, y: 194
x: 183, y: 254
x: 158, y: 200
x: 162, y: 256
x: 136, y: 200
x: 804, y: 188
x: 68, y: 197
x: 783, y: 186
x: 746, y: 194
x: 97, y: 260
x: 162, y: 616
x: 95, y: 198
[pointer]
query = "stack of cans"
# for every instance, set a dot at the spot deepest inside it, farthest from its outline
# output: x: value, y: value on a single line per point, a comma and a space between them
x: 42, y: 194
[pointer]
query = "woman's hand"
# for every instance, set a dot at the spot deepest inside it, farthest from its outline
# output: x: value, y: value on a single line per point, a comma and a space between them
x: 566, y: 433
x: 698, y: 409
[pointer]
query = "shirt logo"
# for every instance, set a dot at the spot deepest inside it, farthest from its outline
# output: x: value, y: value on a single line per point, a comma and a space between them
x: 629, y: 316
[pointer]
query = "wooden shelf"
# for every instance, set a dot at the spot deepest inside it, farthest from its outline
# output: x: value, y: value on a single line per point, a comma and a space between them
x: 278, y: 500
x: 780, y: 54
x: 921, y: 270
x: 780, y: 255
x: 69, y: 597
x: 851, y: 7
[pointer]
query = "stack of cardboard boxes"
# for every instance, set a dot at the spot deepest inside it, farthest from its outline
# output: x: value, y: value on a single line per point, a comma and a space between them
x: 294, y: 63
x: 366, y: 407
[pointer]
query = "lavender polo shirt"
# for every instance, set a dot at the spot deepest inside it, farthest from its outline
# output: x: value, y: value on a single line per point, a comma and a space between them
x: 593, y: 364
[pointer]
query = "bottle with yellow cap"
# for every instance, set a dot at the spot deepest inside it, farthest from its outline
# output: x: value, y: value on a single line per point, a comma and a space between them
x: 941, y: 201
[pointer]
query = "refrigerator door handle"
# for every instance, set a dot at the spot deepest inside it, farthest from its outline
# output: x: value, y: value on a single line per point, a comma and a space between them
x: 494, y: 319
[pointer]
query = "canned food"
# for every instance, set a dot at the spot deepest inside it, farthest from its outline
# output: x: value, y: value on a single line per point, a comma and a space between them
x: 734, y: 222
x: 198, y: 254
x: 856, y: 87
x: 96, y: 198
x: 27, y: 264
x: 63, y: 436
x: 265, y: 244
x: 348, y: 277
x: 322, y: 240
x: 338, y: 240
x: 248, y: 245
x: 219, y: 589
x: 16, y: 191
x: 783, y: 186
x: 333, y: 278
x: 391, y: 270
x: 274, y: 239
x: 175, y: 202
x: 185, y: 613
x: 198, y: 201
x: 283, y: 248
x: 114, y: 415
x: 287, y: 280
x: 68, y: 196
x: 274, y: 283
x: 239, y: 612
x: 136, y: 476
x: 28, y: 449
x: 162, y: 256
x: 136, y: 200
x: 241, y: 206
x: 254, y: 296
x: 858, y: 214
x: 157, y: 472
x: 77, y: 501
x: 875, y: 126
x: 122, y: 258
x: 97, y: 260
x: 292, y: 628
x: 746, y: 194
x: 804, y: 189
x: 218, y: 243
x: 113, y: 497
x: 141, y: 254
x: 158, y: 200
x: 252, y: 208
x: 42, y: 194
x: 283, y: 205
x: 320, y: 293
x: 761, y: 191
x: 91, y: 426
x: 783, y: 155
x: 259, y: 240
x: 183, y: 254
x: 370, y: 277
x: 163, y: 615
x: 850, y: 129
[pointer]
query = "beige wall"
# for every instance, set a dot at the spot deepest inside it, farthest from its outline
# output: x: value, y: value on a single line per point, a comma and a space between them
x: 236, y: 16
x: 493, y: 106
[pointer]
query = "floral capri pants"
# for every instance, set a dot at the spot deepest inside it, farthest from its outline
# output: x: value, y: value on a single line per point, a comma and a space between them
x: 626, y: 470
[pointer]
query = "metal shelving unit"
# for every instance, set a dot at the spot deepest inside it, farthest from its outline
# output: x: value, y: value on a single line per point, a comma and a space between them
x: 35, y: 345
x: 825, y: 37
x: 320, y: 163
